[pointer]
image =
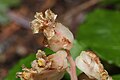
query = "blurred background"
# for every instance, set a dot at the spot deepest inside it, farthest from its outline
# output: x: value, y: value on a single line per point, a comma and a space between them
x: 94, y: 23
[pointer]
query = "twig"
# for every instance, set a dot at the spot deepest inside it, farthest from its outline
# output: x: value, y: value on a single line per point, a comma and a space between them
x: 19, y: 19
x: 72, y: 70
x: 81, y: 7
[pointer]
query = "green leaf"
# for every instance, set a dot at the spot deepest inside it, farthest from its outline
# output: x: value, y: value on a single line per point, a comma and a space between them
x: 101, y: 33
x: 116, y: 77
x: 77, y: 48
x: 48, y: 51
x: 66, y: 76
x: 17, y: 68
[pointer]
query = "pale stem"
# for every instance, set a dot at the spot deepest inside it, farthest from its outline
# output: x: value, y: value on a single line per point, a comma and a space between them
x: 72, y: 70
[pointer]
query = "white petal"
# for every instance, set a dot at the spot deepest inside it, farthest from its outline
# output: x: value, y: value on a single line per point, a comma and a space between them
x: 90, y: 64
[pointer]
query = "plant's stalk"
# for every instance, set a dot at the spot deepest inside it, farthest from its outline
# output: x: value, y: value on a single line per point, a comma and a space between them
x: 72, y: 70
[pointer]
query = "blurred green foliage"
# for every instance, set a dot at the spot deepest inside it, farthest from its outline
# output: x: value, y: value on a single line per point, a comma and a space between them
x: 17, y: 68
x: 4, y: 6
x: 116, y: 77
x: 100, y: 33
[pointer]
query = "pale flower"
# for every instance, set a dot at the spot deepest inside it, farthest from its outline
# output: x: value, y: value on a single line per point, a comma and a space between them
x: 90, y: 64
x: 63, y: 39
x: 59, y: 60
x: 57, y: 35
x: 44, y: 23
x: 52, y: 67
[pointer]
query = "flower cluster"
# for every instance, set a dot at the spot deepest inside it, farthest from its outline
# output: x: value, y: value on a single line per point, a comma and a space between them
x: 53, y: 66
x: 60, y: 40
x: 56, y: 33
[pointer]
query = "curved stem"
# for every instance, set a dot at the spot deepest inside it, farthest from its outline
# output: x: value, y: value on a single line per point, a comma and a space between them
x: 72, y: 70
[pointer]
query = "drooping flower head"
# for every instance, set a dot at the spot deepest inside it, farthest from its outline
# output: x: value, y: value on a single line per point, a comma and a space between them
x: 52, y: 67
x: 57, y: 35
